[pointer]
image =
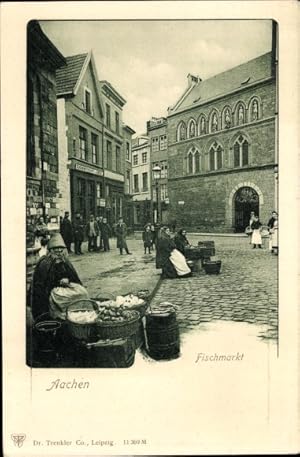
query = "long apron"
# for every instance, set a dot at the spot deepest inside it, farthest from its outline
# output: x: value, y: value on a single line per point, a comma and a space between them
x: 179, y: 262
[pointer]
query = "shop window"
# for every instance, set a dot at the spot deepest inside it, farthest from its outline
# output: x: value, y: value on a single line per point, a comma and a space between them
x: 83, y: 143
x: 94, y: 142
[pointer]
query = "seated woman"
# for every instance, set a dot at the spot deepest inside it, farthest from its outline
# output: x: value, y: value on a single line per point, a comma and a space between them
x: 168, y: 258
x: 52, y: 270
x: 181, y: 241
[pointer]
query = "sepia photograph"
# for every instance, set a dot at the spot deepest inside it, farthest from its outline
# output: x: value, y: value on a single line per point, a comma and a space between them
x: 149, y: 150
x: 152, y: 180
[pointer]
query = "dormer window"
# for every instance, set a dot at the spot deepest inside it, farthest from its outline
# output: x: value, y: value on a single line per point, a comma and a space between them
x: 88, y: 101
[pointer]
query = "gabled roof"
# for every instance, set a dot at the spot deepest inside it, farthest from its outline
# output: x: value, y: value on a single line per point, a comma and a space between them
x: 68, y: 76
x: 228, y: 81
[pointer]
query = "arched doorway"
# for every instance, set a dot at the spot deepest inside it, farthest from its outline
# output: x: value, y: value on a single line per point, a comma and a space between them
x: 246, y: 200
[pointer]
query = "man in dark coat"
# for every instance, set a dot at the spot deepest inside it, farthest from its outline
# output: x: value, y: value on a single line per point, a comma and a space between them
x: 52, y: 270
x: 105, y: 234
x: 78, y: 232
x: 121, y: 233
x: 66, y: 231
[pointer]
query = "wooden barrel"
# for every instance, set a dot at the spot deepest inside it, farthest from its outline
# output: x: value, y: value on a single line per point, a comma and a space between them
x: 162, y: 333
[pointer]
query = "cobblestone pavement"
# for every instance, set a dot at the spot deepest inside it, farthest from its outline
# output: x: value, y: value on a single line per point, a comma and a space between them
x: 244, y: 291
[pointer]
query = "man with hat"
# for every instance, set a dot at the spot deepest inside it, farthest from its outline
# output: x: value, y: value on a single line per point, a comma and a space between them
x: 52, y: 270
x: 121, y: 233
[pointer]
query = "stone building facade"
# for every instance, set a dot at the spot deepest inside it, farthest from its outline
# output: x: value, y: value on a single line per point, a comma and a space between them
x: 127, y: 147
x: 222, y: 148
x: 43, y: 59
x: 157, y: 133
x: 141, y: 181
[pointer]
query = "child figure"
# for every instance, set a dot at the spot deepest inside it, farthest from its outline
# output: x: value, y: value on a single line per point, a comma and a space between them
x: 147, y: 238
x: 256, y: 235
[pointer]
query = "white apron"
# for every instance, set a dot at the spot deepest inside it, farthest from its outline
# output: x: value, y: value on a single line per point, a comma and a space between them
x: 179, y: 262
x: 256, y: 237
x: 275, y: 235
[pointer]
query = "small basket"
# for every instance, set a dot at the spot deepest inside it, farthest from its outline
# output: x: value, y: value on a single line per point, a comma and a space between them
x: 82, y: 331
x: 212, y: 267
x: 114, y: 330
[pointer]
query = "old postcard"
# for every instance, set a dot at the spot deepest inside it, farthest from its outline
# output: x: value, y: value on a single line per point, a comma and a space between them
x: 150, y: 228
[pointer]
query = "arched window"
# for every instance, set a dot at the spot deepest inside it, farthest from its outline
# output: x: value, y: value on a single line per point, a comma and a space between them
x: 202, y: 125
x: 197, y: 162
x: 190, y: 162
x: 193, y: 161
x: 192, y: 129
x: 181, y: 132
x: 241, y: 152
x: 215, y: 157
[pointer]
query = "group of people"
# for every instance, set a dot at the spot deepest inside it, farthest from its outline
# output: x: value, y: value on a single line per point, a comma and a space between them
x: 255, y: 227
x: 97, y: 231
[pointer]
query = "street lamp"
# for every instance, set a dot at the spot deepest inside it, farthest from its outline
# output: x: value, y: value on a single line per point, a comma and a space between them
x: 156, y: 175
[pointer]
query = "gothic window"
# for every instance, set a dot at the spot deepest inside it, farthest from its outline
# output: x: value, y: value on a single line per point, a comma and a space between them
x: 190, y: 162
x: 192, y: 129
x: 212, y: 159
x: 215, y: 157
x: 219, y: 157
x: 181, y: 131
x: 197, y: 162
x: 241, y: 152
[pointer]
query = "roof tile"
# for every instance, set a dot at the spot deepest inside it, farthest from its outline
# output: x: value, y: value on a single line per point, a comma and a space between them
x: 67, y: 77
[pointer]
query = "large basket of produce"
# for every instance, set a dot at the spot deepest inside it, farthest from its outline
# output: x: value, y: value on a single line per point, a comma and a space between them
x: 212, y: 266
x: 115, y: 321
x: 81, y: 318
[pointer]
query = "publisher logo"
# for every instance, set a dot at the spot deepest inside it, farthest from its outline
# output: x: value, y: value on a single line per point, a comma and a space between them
x: 18, y: 439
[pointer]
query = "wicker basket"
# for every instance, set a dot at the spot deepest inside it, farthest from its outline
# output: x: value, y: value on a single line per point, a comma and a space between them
x: 114, y: 330
x: 84, y: 331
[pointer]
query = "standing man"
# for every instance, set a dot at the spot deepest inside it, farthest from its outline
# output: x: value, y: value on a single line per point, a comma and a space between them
x: 78, y: 231
x: 92, y: 231
x: 105, y: 234
x: 100, y: 222
x: 121, y: 233
x: 66, y: 231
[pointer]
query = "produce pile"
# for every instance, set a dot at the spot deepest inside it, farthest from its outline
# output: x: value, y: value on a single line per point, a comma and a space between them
x: 82, y: 316
x: 163, y: 308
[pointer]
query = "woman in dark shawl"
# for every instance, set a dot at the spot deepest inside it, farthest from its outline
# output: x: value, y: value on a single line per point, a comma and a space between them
x: 181, y: 241
x: 52, y: 270
x: 168, y: 258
